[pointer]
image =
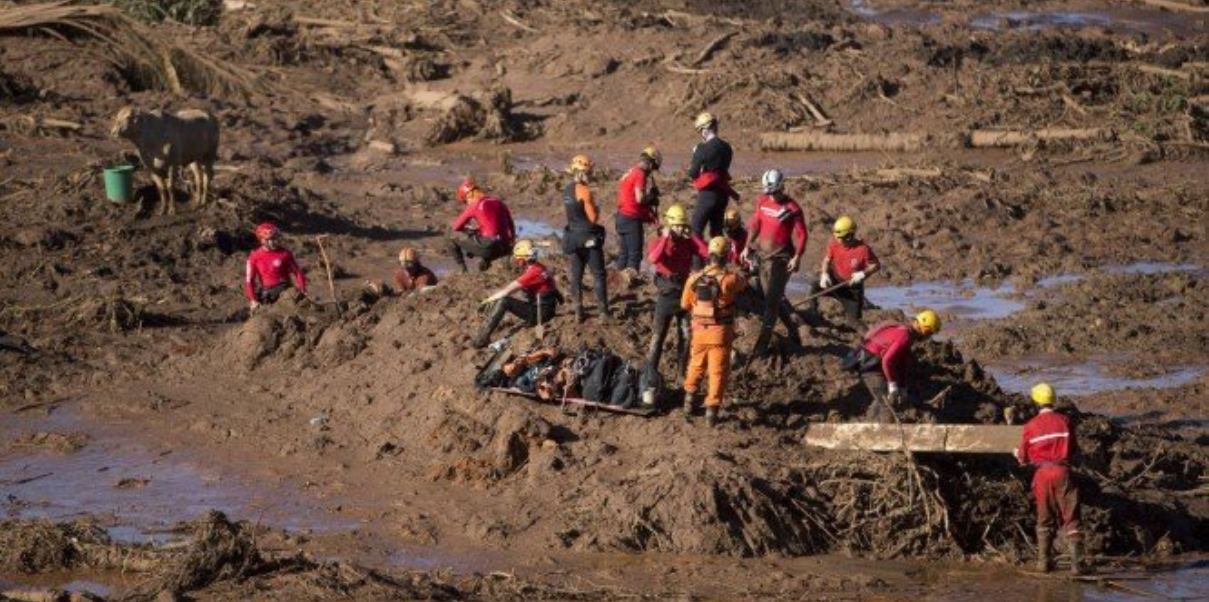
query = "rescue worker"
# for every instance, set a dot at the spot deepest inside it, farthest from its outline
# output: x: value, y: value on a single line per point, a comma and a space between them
x: 736, y: 234
x: 270, y: 269
x: 637, y: 204
x: 777, y: 235
x: 541, y: 296
x: 710, y: 173
x: 848, y: 259
x: 493, y: 232
x: 709, y: 295
x: 751, y: 300
x: 583, y: 239
x: 672, y: 254
x: 883, y: 358
x: 1048, y: 442
x: 411, y: 275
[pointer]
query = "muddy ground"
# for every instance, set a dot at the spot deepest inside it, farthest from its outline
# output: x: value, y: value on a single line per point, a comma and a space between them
x: 365, y: 116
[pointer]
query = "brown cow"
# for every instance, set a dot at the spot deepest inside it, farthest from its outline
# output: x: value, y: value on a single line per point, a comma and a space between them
x: 187, y: 138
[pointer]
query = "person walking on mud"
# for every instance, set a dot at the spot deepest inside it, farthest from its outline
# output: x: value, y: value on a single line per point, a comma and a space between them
x: 637, y: 206
x: 583, y: 239
x: 536, y: 282
x: 493, y: 231
x: 270, y: 268
x: 847, y: 260
x: 411, y: 275
x: 710, y: 173
x: 672, y: 254
x: 1048, y: 442
x: 777, y: 236
x: 709, y: 295
x: 882, y: 359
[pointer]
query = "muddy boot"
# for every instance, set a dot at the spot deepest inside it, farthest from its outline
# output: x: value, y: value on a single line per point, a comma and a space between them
x: 688, y: 405
x: 711, y: 416
x: 1045, y: 544
x: 484, y: 265
x: 496, y: 315
x: 761, y: 347
x: 579, y: 313
x: 1076, y: 556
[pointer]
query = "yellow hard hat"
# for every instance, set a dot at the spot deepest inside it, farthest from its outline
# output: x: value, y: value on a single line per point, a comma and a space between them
x: 409, y: 255
x: 523, y: 249
x: 653, y: 155
x: 1042, y: 394
x: 676, y: 216
x: 843, y: 227
x: 581, y: 163
x: 731, y: 217
x: 719, y: 245
x: 706, y: 120
x: 927, y: 322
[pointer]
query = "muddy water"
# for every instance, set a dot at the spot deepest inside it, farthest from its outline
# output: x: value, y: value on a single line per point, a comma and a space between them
x: 1084, y: 377
x: 1124, y: 18
x: 1182, y: 581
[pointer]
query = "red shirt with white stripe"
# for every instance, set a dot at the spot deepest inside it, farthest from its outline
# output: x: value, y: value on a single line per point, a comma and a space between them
x: 892, y: 343
x: 777, y: 228
x: 1047, y: 439
x: 271, y: 267
x: 536, y: 280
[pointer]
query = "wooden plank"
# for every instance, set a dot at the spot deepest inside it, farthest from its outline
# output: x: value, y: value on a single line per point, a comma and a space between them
x: 942, y: 438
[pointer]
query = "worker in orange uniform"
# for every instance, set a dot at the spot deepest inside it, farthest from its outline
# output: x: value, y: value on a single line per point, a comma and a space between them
x: 637, y: 204
x: 883, y: 358
x: 584, y: 237
x: 536, y: 282
x: 493, y: 230
x: 1048, y: 442
x: 709, y: 297
x: 411, y: 275
x: 847, y: 260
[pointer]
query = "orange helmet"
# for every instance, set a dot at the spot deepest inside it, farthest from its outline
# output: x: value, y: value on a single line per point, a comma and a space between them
x: 581, y: 163
x: 409, y: 255
x: 468, y: 186
x: 266, y: 231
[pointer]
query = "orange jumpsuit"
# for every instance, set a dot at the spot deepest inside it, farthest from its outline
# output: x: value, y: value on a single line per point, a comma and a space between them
x: 713, y: 331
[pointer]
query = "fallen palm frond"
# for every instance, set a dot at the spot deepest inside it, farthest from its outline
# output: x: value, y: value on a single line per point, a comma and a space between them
x: 153, y: 60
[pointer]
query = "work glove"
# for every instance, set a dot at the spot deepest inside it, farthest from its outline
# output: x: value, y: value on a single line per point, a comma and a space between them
x: 894, y: 394
x: 792, y: 266
x: 824, y: 280
x: 857, y: 277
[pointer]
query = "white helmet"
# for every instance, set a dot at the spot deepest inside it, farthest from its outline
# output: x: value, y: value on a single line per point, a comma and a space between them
x: 773, y: 181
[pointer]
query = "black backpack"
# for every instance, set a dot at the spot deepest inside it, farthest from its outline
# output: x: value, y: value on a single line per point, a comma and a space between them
x: 596, y: 384
x: 625, y: 386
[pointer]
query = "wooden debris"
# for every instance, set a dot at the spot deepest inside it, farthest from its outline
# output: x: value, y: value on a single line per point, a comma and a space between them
x: 675, y: 68
x: 1010, y: 138
x: 517, y: 23
x: 1164, y: 72
x: 946, y: 438
x: 712, y: 47
x: 1074, y: 105
x: 820, y: 119
x: 819, y: 141
x: 897, y: 174
x: 1175, y: 6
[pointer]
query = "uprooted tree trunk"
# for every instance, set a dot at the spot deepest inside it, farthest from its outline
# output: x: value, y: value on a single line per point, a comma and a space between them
x: 820, y: 141
x: 1009, y: 138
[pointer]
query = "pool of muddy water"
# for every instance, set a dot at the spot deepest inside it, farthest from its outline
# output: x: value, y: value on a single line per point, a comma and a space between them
x: 1124, y: 18
x: 1085, y: 377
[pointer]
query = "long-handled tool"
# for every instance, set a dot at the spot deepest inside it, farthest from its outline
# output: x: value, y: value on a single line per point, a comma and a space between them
x: 822, y: 292
x: 327, y: 266
x: 541, y: 327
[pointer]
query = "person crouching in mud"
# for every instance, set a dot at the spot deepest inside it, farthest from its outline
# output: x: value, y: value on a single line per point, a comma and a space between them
x: 411, y: 275
x: 541, y: 296
x: 270, y: 268
x: 882, y: 360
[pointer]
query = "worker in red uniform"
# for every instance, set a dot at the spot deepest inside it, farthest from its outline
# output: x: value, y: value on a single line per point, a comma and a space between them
x: 1048, y: 442
x: 536, y: 282
x: 848, y: 259
x: 493, y: 232
x: 411, y: 275
x: 584, y: 237
x: 736, y: 234
x: 710, y: 173
x: 672, y: 254
x: 270, y: 269
x: 637, y: 206
x: 777, y: 236
x: 883, y: 358
x: 709, y: 295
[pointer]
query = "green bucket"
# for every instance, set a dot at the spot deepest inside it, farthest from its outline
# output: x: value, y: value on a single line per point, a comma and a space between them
x: 119, y: 183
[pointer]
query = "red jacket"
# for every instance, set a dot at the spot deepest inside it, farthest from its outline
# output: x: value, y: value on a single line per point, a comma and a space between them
x: 493, y: 218
x: 775, y: 226
x: 892, y: 343
x: 629, y: 204
x: 847, y: 260
x: 1047, y: 439
x: 675, y: 259
x: 270, y: 268
x: 738, y: 242
x: 536, y: 280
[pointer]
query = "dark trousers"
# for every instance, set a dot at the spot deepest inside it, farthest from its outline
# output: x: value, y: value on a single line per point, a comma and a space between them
x: 667, y: 309
x: 710, y: 210
x: 852, y: 298
x: 469, y: 244
x: 629, y: 239
x: 593, y: 257
x: 774, y: 277
x: 527, y: 311
x: 879, y: 410
x: 270, y: 295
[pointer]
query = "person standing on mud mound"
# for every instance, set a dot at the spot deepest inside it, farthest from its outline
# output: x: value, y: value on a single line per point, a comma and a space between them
x: 494, y: 230
x: 411, y: 275
x: 777, y: 234
x: 882, y: 360
x: 710, y: 173
x: 672, y: 254
x: 583, y: 239
x: 709, y: 295
x: 637, y: 204
x: 1048, y: 442
x: 848, y: 259
x: 270, y: 268
x: 541, y: 296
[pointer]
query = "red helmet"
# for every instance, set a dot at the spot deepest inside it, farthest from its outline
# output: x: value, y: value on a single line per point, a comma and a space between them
x: 466, y: 188
x: 266, y: 231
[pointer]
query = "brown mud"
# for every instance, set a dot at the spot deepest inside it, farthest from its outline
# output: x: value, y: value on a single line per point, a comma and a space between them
x: 375, y: 111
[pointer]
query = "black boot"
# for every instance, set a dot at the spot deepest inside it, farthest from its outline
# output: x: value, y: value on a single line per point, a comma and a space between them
x: 496, y: 315
x: 1045, y: 546
x: 688, y: 405
x: 1076, y: 556
x: 711, y: 416
x: 762, y: 341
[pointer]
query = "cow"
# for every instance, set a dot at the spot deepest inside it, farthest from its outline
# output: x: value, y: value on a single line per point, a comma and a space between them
x: 169, y: 141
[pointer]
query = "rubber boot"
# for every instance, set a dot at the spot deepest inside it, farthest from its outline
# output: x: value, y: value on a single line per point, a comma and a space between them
x: 711, y: 416
x: 761, y: 347
x: 483, y: 337
x: 1076, y: 556
x: 1045, y: 545
x: 688, y: 405
x: 484, y: 265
